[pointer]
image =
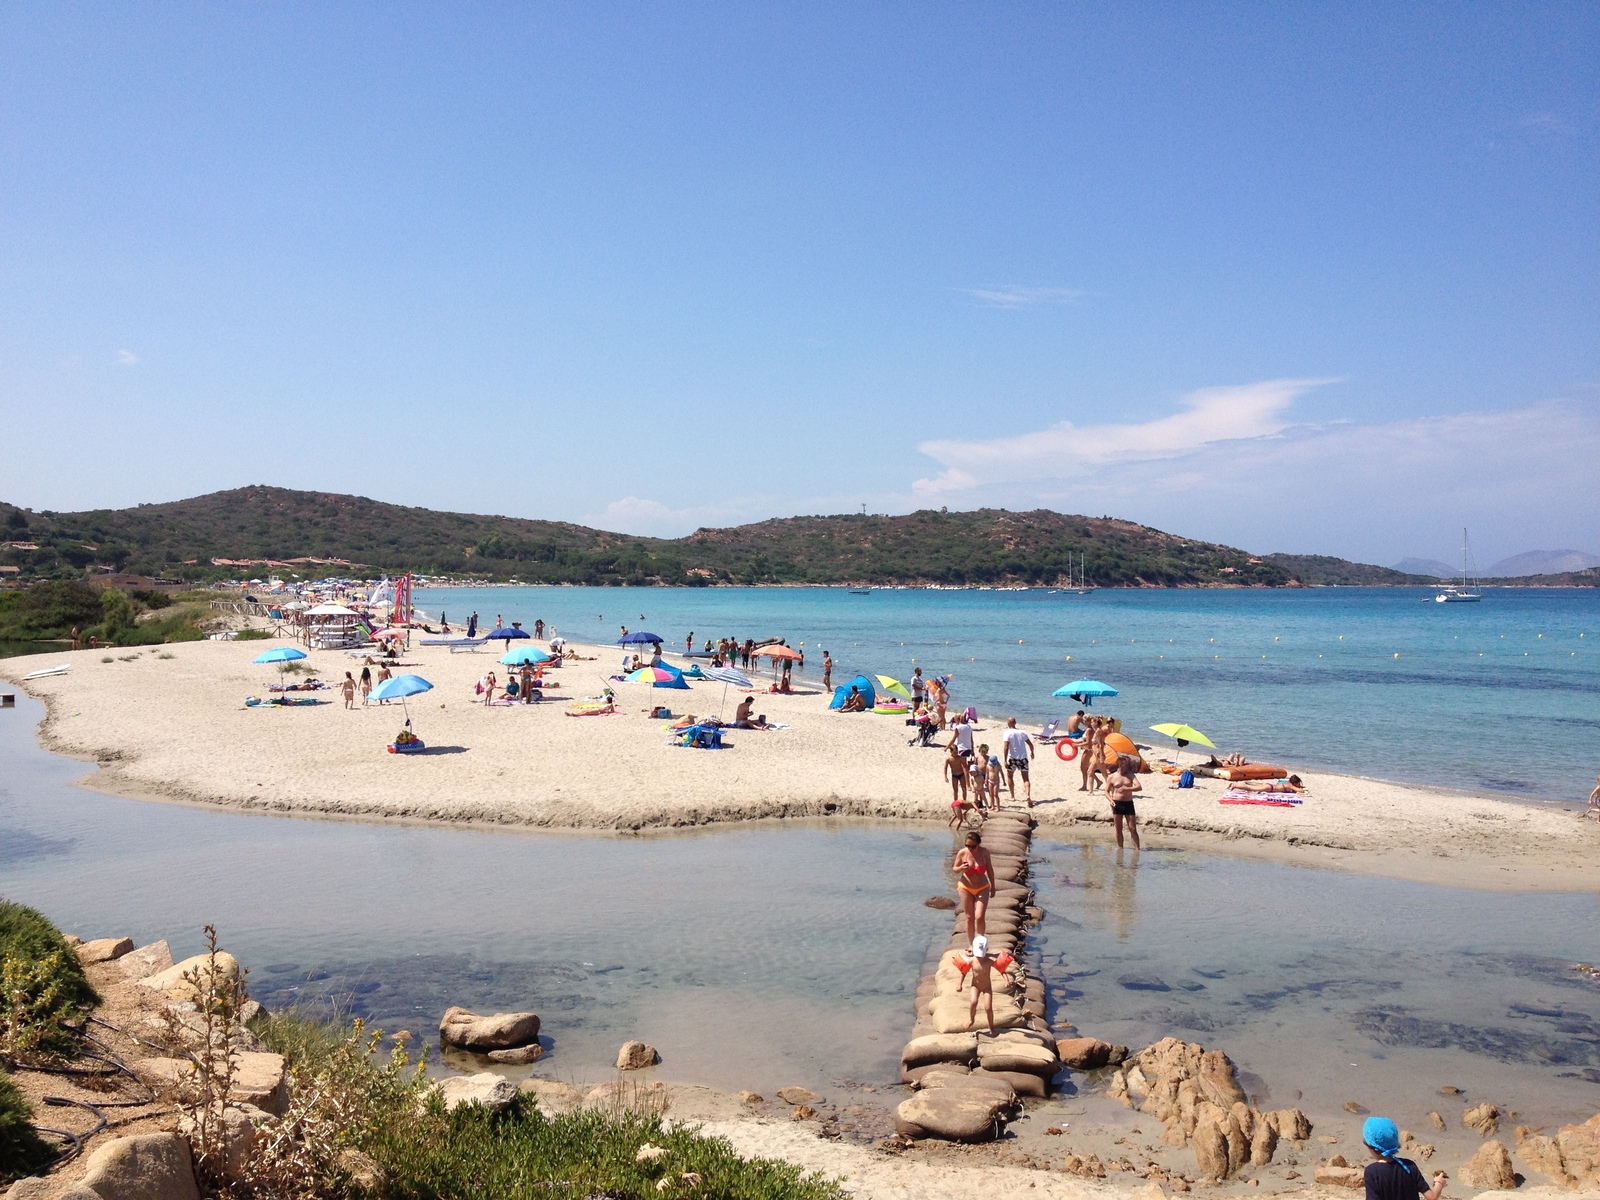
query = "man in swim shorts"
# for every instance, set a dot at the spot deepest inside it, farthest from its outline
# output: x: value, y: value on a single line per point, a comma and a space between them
x: 1120, y: 787
x: 1019, y: 752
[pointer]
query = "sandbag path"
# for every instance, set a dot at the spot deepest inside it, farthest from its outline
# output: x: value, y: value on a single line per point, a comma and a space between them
x: 968, y: 1083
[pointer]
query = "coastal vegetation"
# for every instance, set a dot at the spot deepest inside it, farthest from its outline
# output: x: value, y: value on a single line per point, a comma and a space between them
x: 53, y: 608
x: 264, y: 530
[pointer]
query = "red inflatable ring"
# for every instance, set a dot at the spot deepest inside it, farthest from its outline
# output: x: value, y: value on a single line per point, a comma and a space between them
x: 1066, y: 749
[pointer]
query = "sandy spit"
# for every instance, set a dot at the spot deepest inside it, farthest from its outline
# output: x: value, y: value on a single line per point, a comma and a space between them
x: 170, y: 723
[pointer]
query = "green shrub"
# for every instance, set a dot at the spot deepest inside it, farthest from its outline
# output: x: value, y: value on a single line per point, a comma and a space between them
x: 42, y: 984
x: 22, y: 1151
x: 50, y: 609
x: 252, y: 635
x: 382, y: 1109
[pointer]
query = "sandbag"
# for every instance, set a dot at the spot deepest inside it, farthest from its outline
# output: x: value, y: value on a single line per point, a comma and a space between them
x: 945, y: 1047
x: 954, y: 1114
x: 1018, y: 1054
x: 1022, y: 1083
x: 949, y: 1014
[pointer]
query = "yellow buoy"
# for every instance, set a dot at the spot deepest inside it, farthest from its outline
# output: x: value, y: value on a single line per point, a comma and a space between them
x: 1019, y: 641
x: 1069, y: 658
x: 1397, y: 655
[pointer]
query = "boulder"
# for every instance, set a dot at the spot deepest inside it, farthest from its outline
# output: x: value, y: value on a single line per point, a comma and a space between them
x: 488, y: 1089
x: 798, y: 1095
x: 635, y: 1056
x: 956, y: 1114
x: 748, y: 1097
x: 183, y: 981
x: 518, y: 1055
x: 146, y: 960
x: 1263, y: 1143
x: 1489, y: 1168
x: 146, y: 1166
x: 1485, y: 1118
x: 1345, y: 1177
x: 1436, y: 1121
x: 1571, y: 1158
x: 502, y: 1031
x: 1083, y: 1053
x: 238, y: 1134
x: 1290, y: 1124
x: 623, y: 1093
x: 260, y: 1078
x: 50, y: 1188
x: 104, y: 950
x: 940, y: 1047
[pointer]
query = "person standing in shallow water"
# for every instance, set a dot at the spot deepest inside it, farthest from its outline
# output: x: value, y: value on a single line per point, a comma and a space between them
x: 1120, y: 787
x: 827, y: 671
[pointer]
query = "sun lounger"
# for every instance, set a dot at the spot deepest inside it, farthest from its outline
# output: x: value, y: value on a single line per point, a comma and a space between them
x: 1047, y: 735
x: 1260, y: 799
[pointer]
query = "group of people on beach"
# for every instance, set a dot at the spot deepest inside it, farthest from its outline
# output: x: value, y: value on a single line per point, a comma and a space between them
x: 979, y: 780
x: 350, y: 685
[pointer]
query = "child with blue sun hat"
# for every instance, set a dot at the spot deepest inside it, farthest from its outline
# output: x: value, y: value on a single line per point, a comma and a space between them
x: 1392, y: 1177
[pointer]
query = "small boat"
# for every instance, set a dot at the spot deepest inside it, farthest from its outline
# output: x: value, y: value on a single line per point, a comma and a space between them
x: 1465, y: 594
x: 46, y: 672
x: 861, y: 591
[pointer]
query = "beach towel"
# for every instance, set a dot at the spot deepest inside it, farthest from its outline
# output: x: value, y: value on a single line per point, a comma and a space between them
x: 1261, y: 799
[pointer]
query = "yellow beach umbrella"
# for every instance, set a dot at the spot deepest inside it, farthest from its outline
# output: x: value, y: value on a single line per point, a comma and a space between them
x: 893, y: 685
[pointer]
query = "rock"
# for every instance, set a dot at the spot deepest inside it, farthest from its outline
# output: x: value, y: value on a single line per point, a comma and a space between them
x: 251, y: 1010
x: 552, y: 1094
x: 50, y: 1188
x: 635, y: 1056
x: 259, y: 1078
x: 748, y: 1097
x: 239, y: 1125
x: 1571, y: 1158
x: 488, y: 1089
x: 146, y: 1166
x: 940, y: 1047
x: 1489, y: 1168
x: 1447, y: 1090
x: 146, y: 960
x: 802, y: 1112
x: 956, y: 1114
x: 1089, y: 1166
x: 464, y: 1028
x: 104, y: 950
x: 1290, y: 1124
x: 627, y: 1094
x: 1436, y: 1121
x: 183, y: 981
x: 798, y: 1095
x: 939, y: 902
x: 1083, y: 1053
x: 1485, y: 1118
x: 1350, y: 1106
x: 1347, y: 1177
x: 1119, y: 1055
x: 1263, y: 1144
x: 518, y: 1055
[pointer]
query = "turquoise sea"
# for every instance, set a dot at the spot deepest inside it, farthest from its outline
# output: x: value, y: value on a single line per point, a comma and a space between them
x: 1498, y: 697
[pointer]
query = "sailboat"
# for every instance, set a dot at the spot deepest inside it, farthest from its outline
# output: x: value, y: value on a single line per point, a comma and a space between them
x: 1466, y: 593
x: 1082, y: 587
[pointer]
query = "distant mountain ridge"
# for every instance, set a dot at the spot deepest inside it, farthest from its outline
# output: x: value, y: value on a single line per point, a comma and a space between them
x: 1541, y: 562
x: 1427, y: 566
x: 259, y: 530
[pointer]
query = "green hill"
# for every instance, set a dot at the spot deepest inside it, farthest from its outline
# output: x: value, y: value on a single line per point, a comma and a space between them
x: 250, y: 530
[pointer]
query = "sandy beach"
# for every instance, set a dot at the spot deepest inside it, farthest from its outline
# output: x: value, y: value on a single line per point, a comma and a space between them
x: 170, y: 723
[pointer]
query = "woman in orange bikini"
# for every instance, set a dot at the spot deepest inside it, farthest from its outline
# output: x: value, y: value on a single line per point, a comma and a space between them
x: 975, y: 882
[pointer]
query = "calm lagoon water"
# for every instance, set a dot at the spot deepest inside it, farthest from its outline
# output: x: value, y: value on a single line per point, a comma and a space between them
x: 1499, y: 697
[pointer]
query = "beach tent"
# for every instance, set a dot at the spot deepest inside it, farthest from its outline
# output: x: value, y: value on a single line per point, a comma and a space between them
x: 842, y: 692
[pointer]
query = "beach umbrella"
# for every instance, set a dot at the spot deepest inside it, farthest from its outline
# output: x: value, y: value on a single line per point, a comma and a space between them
x: 725, y: 676
x: 399, y: 688
x: 895, y: 686
x: 1085, y: 690
x: 661, y: 677
x: 638, y: 639
x: 777, y: 652
x: 508, y: 633
x: 1183, y: 735
x: 387, y: 634
x: 280, y: 655
x: 525, y: 654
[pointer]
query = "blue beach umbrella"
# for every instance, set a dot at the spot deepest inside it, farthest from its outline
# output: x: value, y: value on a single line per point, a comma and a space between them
x: 525, y: 654
x: 1085, y: 690
x: 508, y: 632
x: 638, y: 639
x: 279, y: 655
x: 399, y: 688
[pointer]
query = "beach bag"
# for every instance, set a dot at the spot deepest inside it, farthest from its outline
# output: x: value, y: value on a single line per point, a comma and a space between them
x: 1186, y: 780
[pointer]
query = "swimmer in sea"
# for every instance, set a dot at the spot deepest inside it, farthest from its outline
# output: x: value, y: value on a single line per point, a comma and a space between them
x: 975, y: 882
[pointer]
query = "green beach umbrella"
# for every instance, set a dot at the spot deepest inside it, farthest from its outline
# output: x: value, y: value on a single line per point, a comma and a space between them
x: 1184, y: 734
x: 895, y: 686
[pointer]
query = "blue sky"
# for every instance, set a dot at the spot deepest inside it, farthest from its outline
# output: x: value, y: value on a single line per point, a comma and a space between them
x: 1319, y: 278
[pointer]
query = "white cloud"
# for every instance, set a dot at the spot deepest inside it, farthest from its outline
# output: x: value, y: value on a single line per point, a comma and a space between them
x: 1065, y: 450
x: 652, y: 518
x: 1016, y: 296
x: 1234, y: 467
x: 127, y: 358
